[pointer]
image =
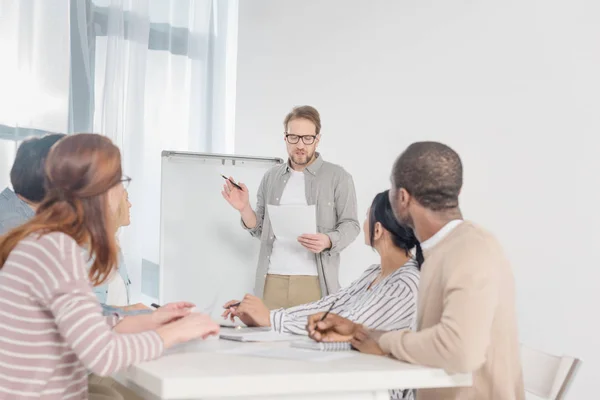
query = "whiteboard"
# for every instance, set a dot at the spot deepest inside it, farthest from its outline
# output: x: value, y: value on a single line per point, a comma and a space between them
x: 205, y: 255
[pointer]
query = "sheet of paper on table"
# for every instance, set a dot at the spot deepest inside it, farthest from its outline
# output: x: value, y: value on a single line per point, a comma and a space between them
x: 289, y: 353
x: 242, y: 335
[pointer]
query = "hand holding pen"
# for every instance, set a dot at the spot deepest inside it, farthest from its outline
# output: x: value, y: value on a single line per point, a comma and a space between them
x: 252, y: 311
x: 236, y: 194
x: 329, y: 327
x: 230, y: 180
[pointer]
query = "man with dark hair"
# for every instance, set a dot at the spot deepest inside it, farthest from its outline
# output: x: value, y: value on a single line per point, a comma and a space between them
x: 27, y: 179
x: 433, y: 173
x: 290, y: 273
x: 466, y: 308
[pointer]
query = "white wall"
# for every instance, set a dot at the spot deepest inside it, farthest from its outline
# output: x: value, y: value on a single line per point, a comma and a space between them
x: 513, y: 86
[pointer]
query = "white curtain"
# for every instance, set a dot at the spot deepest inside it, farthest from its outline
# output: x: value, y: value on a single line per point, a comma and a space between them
x: 154, y: 83
x: 152, y: 75
x: 34, y: 92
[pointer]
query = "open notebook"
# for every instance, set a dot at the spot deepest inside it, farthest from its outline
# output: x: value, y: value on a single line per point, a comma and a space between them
x: 320, y: 346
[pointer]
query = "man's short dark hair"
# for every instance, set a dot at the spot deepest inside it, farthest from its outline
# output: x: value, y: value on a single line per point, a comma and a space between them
x: 27, y: 173
x: 432, y: 173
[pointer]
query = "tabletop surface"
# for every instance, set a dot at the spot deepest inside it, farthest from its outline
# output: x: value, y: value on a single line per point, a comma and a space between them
x: 217, y: 367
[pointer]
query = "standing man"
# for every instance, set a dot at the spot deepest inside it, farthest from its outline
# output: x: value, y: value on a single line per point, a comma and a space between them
x: 467, y: 319
x: 287, y: 275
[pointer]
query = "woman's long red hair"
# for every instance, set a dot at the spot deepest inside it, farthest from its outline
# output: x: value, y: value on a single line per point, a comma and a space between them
x: 80, y: 170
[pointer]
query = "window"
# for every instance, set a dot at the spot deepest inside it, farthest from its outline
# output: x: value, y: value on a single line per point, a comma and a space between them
x: 151, y: 75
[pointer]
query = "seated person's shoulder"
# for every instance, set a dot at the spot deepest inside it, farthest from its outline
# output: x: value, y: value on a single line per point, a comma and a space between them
x: 6, y: 196
x: 58, y: 240
x: 47, y: 251
x: 372, y: 268
x: 10, y: 220
x: 473, y: 237
x: 407, y: 275
x: 401, y: 283
x: 478, y: 248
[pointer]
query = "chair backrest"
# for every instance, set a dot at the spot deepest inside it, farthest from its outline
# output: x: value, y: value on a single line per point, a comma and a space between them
x: 547, y: 376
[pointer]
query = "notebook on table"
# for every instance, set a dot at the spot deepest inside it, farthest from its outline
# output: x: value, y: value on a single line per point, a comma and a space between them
x: 248, y: 335
x: 321, y: 346
x: 243, y: 328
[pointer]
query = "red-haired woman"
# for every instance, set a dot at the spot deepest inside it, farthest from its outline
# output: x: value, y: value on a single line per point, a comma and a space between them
x: 53, y: 332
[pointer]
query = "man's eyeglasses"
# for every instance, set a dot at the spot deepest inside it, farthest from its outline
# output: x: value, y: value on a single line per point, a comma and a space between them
x: 294, y: 139
x: 125, y: 180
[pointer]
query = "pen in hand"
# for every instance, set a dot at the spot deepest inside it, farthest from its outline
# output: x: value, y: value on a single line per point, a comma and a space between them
x: 328, y: 311
x: 232, y: 182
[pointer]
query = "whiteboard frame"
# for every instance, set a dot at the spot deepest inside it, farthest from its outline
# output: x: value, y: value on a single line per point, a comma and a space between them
x: 168, y: 154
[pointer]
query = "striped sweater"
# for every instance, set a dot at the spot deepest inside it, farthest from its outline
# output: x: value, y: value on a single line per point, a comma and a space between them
x: 52, y: 331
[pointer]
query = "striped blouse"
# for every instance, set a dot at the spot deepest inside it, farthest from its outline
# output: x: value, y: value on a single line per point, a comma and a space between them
x: 53, y: 332
x: 389, y: 305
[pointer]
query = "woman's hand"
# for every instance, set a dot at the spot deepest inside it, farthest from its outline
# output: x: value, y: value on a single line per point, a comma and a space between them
x: 135, y: 307
x: 251, y: 311
x: 178, y: 305
x: 190, y: 327
x: 229, y: 307
x: 164, y: 316
x: 151, y: 321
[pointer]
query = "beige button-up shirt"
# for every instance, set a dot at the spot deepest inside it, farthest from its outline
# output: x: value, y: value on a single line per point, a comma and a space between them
x: 331, y: 189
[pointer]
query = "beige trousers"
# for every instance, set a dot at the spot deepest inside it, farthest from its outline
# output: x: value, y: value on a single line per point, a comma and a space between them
x: 284, y: 291
x: 106, y: 388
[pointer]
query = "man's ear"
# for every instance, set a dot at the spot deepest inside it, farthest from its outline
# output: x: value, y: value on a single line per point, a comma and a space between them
x: 405, y: 197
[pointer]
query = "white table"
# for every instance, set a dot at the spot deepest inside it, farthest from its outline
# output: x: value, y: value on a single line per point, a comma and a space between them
x: 200, y: 371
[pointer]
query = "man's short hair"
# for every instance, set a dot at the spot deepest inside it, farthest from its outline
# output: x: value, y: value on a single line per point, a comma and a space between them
x: 304, y: 112
x: 27, y: 174
x: 432, y: 173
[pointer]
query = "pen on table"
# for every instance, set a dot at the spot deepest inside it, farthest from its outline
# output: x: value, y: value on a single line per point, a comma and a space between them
x: 327, y: 312
x: 232, y: 182
x: 155, y: 305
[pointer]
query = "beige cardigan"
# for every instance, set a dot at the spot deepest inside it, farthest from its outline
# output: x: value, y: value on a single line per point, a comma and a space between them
x: 466, y: 318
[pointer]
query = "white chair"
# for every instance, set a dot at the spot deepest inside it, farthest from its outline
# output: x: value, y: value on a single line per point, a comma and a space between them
x: 547, y: 376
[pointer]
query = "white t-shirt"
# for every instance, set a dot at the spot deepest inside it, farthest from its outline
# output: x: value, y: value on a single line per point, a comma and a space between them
x: 291, y: 258
x: 117, y: 291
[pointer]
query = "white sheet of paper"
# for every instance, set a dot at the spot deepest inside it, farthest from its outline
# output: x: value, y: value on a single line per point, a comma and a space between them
x: 291, y: 221
x: 288, y: 353
x: 268, y: 336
